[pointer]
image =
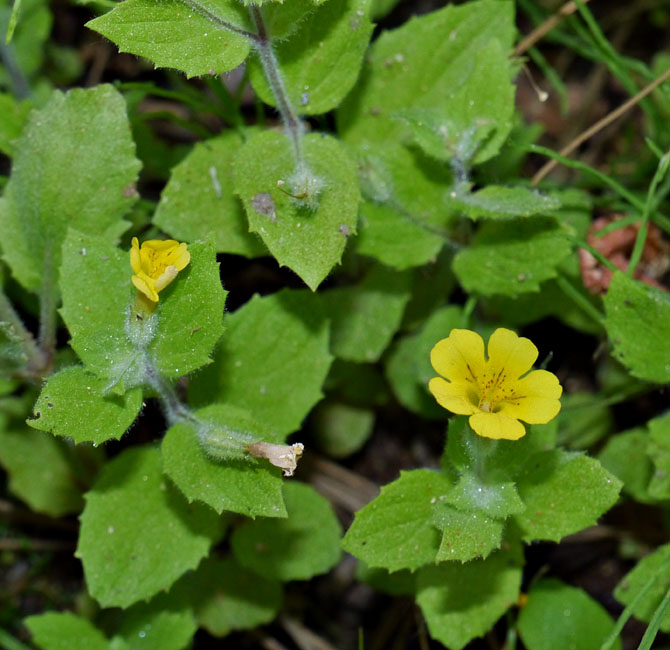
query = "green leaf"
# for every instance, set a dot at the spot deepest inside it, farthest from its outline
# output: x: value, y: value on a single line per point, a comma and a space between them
x: 500, y: 202
x: 341, y: 429
x: 559, y: 616
x: 511, y: 257
x: 198, y: 37
x: 282, y: 19
x: 564, y: 492
x: 198, y: 201
x: 14, y: 118
x: 242, y: 486
x: 227, y: 597
x: 396, y: 531
x: 138, y: 534
x: 320, y: 62
x: 637, y: 322
x: 465, y: 535
x: 655, y: 564
x: 659, y: 451
x: 308, y: 233
x: 625, y: 456
x: 408, y: 366
x: 41, y: 471
x: 584, y: 420
x: 190, y: 316
x: 495, y: 499
x: 97, y: 320
x: 365, y: 317
x: 463, y: 601
x: 85, y: 132
x: 304, y: 545
x: 73, y: 404
x: 399, y: 583
x: 65, y: 631
x: 149, y: 626
x: 436, y: 62
x: 272, y: 361
x: 394, y: 238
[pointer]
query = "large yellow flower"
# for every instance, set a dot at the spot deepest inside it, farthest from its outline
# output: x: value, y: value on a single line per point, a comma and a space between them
x: 496, y: 392
x: 156, y: 264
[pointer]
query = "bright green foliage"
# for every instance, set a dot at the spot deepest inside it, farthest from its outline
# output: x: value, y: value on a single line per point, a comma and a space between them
x: 198, y: 201
x: 14, y: 117
x: 560, y: 616
x: 395, y: 531
x: 148, y: 626
x: 131, y: 553
x: 226, y: 597
x: 583, y: 421
x: 304, y: 545
x: 321, y: 60
x: 66, y: 631
x: 365, y: 317
x: 420, y: 64
x: 564, y: 492
x: 189, y: 36
x: 41, y: 470
x: 73, y: 403
x: 272, y: 360
x: 511, y: 257
x: 471, y: 493
x: 659, y: 452
x: 190, y: 316
x: 465, y: 534
x: 341, y: 429
x: 97, y: 319
x: 462, y: 601
x: 283, y: 18
x: 244, y: 486
x: 499, y: 202
x: 654, y: 567
x: 408, y: 366
x: 638, y: 318
x: 394, y: 238
x: 308, y: 230
x: 85, y: 132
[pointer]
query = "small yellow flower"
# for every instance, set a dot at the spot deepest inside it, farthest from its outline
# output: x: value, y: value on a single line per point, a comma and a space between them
x: 156, y: 264
x: 496, y: 392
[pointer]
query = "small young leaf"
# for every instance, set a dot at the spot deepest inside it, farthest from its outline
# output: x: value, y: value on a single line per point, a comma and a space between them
x: 495, y: 499
x: 272, y: 361
x: 637, y: 322
x: 365, y: 317
x: 66, y: 631
x: 73, y: 404
x: 564, y: 492
x: 559, y: 616
x: 308, y: 229
x: 340, y: 429
x: 396, y: 531
x: 500, y: 202
x: 511, y: 257
x: 304, y: 545
x: 14, y: 118
x: 41, y: 471
x: 226, y: 597
x: 659, y: 451
x: 320, y: 62
x: 85, y: 132
x: 197, y: 37
x: 240, y: 486
x: 198, y: 201
x: 655, y: 564
x: 462, y: 601
x: 138, y: 534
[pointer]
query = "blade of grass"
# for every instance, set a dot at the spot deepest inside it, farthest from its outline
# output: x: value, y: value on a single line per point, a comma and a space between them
x: 655, y: 623
x: 8, y: 642
x: 13, y: 19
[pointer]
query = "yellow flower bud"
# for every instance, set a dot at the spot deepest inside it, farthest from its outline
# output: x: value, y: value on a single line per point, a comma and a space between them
x: 156, y: 263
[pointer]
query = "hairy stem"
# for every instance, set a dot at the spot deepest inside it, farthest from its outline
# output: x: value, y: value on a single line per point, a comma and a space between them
x: 8, y: 315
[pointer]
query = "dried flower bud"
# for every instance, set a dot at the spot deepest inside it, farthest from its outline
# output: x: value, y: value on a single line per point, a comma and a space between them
x: 284, y: 456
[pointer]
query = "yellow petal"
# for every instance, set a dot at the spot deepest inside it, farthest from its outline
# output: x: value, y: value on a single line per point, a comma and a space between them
x: 165, y: 278
x: 536, y: 398
x: 160, y: 245
x: 510, y: 356
x: 135, y: 258
x: 144, y: 284
x: 460, y: 357
x: 496, y: 426
x: 453, y: 396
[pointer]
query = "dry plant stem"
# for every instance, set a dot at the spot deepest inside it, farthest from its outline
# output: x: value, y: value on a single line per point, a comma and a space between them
x: 601, y: 124
x: 30, y: 545
x: 303, y: 637
x: 14, y: 514
x: 292, y: 122
x: 542, y: 30
x: 421, y: 630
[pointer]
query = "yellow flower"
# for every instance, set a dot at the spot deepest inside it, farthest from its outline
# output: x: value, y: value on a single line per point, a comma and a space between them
x: 156, y: 264
x: 496, y: 392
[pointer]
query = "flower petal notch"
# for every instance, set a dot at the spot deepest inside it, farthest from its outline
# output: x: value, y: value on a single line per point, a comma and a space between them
x: 498, y: 391
x: 156, y: 263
